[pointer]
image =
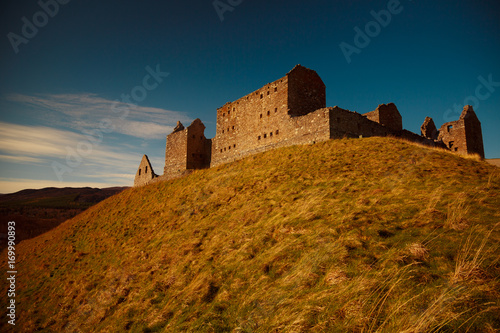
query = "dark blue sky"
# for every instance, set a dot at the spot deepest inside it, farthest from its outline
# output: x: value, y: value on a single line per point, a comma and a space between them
x: 64, y: 79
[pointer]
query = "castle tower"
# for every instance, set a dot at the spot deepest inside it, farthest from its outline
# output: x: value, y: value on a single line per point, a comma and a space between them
x: 257, y: 121
x: 187, y: 149
x: 145, y: 173
x: 464, y: 135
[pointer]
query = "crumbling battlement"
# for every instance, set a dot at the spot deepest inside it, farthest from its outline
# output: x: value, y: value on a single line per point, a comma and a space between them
x: 291, y: 111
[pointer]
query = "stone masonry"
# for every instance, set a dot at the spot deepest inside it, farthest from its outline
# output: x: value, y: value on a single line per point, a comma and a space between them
x: 464, y: 135
x: 291, y: 111
x: 145, y: 173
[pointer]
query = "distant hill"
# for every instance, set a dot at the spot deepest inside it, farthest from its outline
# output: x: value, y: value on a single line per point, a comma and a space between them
x: 351, y: 235
x: 37, y: 211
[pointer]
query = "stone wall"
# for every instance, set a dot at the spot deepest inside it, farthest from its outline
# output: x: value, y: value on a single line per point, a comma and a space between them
x: 345, y: 123
x: 186, y: 149
x: 261, y: 119
x: 291, y: 111
x: 387, y: 115
x: 176, y: 152
x: 428, y: 129
x: 145, y: 172
x: 464, y: 135
x: 306, y: 91
x: 198, y: 150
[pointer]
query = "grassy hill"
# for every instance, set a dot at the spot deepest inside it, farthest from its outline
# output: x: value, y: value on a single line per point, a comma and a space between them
x: 38, y: 211
x: 351, y: 235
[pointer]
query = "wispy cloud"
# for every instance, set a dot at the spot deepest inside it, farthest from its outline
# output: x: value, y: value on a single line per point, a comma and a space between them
x: 21, y: 159
x: 86, y: 111
x: 31, y: 143
x: 37, y: 144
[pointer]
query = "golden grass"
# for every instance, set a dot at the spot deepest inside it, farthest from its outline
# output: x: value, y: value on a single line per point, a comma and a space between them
x: 351, y: 235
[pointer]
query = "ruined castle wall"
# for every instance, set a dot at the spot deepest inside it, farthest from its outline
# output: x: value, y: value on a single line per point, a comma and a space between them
x: 452, y: 134
x: 197, y: 152
x: 345, y: 123
x: 145, y: 172
x: 310, y: 128
x: 292, y: 111
x: 464, y: 135
x: 261, y: 120
x: 306, y: 91
x: 247, y: 123
x: 410, y: 136
x: 175, y: 154
x: 474, y: 136
x: 387, y: 115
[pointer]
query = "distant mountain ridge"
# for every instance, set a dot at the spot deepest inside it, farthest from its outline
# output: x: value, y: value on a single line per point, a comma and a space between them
x: 38, y: 210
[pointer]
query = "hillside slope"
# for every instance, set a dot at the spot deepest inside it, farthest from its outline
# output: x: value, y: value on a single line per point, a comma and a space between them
x: 351, y: 235
x: 38, y: 211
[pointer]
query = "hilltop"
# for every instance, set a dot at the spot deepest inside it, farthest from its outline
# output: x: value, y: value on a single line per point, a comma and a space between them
x: 349, y: 235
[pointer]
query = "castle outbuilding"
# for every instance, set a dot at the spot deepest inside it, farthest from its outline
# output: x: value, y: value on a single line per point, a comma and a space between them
x: 291, y: 111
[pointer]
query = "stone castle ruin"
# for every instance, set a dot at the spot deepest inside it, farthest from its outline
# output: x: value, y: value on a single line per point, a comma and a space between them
x: 291, y: 111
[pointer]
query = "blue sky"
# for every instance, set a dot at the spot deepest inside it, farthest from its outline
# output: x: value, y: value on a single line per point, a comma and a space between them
x: 67, y: 83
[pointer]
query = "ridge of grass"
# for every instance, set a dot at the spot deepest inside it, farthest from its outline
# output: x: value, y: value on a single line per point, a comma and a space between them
x: 351, y: 235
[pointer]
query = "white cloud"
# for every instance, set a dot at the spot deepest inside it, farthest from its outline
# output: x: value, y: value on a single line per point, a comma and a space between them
x: 146, y: 130
x: 101, y: 164
x: 21, y: 159
x: 23, y: 144
x: 86, y: 111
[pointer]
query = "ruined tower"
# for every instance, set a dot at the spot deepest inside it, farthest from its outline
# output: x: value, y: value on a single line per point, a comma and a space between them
x: 257, y: 120
x: 464, y: 135
x: 187, y: 149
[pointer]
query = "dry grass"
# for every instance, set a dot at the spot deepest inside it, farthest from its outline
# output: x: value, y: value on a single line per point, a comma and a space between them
x: 457, y: 212
x: 343, y: 236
